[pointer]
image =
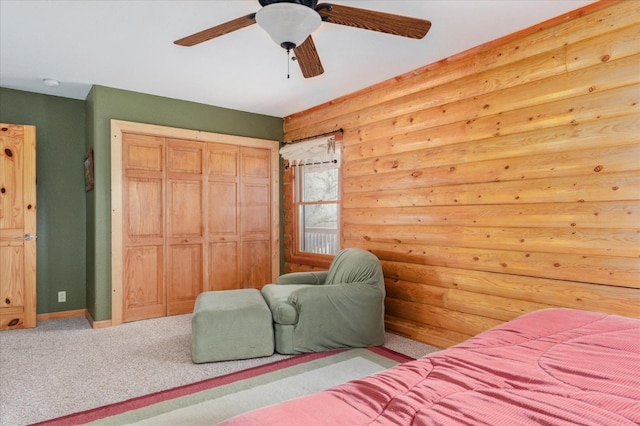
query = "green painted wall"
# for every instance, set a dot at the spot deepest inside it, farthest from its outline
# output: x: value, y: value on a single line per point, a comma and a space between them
x: 74, y: 228
x: 60, y: 139
x: 104, y: 104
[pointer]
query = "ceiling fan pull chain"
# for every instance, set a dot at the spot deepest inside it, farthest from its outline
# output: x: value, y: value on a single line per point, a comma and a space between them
x: 288, y: 62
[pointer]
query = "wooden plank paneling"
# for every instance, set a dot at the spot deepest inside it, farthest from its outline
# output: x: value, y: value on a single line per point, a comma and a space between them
x: 456, y: 143
x: 500, y: 308
x: 595, y: 50
x: 509, y: 51
x: 439, y: 337
x: 600, y: 242
x: 577, y: 295
x: 497, y: 182
x: 608, y: 187
x: 457, y: 321
x: 605, y: 215
x: 607, y: 270
x: 598, y: 104
x: 568, y: 163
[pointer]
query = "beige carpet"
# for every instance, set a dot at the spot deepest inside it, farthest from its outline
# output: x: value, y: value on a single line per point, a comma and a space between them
x: 64, y: 366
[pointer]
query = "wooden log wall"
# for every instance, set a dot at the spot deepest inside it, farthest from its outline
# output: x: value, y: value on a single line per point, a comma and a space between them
x: 497, y: 182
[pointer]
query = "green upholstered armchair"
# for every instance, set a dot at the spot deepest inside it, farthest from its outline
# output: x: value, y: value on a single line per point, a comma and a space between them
x: 339, y: 308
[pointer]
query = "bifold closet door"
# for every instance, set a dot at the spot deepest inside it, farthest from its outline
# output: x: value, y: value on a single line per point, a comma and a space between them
x: 239, y: 217
x: 196, y: 217
x: 163, y: 224
x: 143, y: 167
x: 255, y: 218
x: 223, y: 214
x: 185, y: 225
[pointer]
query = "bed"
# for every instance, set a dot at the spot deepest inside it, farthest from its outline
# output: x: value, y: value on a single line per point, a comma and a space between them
x: 549, y: 367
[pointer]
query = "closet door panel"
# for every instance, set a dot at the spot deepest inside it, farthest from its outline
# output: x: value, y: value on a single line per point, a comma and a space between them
x: 184, y: 157
x: 142, y: 153
x: 222, y: 160
x: 223, y: 266
x: 255, y: 163
x: 255, y: 217
x: 223, y: 223
x: 144, y: 216
x: 185, y: 209
x: 256, y: 264
x: 185, y: 225
x: 184, y: 277
x: 255, y: 208
x: 185, y: 245
x: 143, y: 201
x: 144, y: 295
x: 222, y: 210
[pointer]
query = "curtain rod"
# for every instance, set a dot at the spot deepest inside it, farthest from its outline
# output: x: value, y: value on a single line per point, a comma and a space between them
x: 311, y: 164
x: 340, y: 130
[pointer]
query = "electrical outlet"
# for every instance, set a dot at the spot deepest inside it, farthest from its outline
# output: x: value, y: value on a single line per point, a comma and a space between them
x: 62, y: 296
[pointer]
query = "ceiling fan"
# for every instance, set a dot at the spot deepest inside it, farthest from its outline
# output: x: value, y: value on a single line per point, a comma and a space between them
x: 291, y: 22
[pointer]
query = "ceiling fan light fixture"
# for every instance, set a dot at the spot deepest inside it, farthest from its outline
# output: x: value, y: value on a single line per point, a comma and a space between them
x: 288, y: 24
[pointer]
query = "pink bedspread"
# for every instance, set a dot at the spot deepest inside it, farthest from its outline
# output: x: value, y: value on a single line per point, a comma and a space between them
x: 550, y: 367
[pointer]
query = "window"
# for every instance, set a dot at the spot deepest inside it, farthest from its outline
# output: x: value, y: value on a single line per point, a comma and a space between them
x: 317, y: 207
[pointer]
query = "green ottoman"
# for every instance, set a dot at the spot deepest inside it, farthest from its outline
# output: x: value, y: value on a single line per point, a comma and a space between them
x: 231, y: 324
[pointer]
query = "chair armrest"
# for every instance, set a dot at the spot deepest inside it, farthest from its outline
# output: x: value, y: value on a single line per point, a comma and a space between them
x: 318, y: 277
x: 277, y: 298
x: 322, y: 299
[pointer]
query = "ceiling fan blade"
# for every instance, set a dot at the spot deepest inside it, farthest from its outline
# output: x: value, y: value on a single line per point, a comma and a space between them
x: 308, y: 58
x: 372, y: 20
x: 217, y: 31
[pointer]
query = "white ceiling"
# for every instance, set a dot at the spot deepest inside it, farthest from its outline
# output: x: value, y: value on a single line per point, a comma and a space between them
x: 129, y: 45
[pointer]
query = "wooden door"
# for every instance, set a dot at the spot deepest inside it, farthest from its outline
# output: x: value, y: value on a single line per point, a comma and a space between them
x: 185, y: 225
x: 163, y: 224
x: 255, y: 217
x: 17, y: 226
x: 223, y: 227
x: 239, y: 217
x: 143, y: 201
